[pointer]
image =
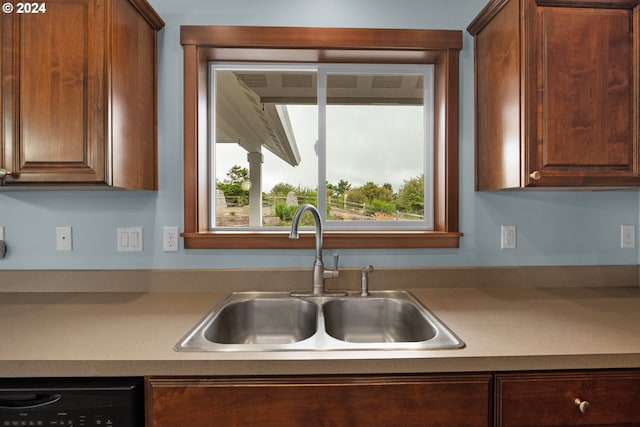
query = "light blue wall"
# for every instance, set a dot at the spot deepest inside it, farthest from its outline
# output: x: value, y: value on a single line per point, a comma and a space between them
x: 554, y: 228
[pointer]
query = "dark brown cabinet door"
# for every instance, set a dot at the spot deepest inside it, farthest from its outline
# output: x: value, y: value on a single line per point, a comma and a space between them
x: 79, y: 94
x: 557, y: 93
x: 53, y: 81
x: 420, y: 400
x: 584, y: 97
x: 588, y: 398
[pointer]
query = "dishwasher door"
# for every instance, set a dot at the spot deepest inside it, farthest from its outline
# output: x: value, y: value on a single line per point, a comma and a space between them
x: 71, y: 402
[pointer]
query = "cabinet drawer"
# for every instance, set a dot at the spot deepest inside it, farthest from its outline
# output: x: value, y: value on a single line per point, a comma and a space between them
x: 553, y: 399
x: 434, y: 400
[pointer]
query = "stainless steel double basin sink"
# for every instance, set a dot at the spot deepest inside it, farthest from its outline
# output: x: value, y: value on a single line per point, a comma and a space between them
x: 269, y: 321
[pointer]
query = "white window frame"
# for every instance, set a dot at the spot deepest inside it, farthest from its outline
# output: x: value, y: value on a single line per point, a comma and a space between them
x: 322, y: 70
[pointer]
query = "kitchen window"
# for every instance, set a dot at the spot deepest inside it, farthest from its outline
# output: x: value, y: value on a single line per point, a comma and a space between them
x: 356, y: 141
x: 262, y: 101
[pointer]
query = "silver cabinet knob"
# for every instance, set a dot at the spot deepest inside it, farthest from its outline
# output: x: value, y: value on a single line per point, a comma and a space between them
x: 4, y: 172
x: 535, y: 175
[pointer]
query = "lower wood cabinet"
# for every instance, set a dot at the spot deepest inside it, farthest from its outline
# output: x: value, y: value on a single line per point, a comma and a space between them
x: 587, y: 398
x: 513, y: 399
x: 350, y: 401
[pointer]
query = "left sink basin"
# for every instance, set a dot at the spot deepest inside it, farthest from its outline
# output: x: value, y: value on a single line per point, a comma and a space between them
x: 243, y: 320
x: 263, y: 321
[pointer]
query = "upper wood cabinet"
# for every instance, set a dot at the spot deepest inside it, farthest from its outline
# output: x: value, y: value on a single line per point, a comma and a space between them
x: 79, y: 94
x: 556, y: 93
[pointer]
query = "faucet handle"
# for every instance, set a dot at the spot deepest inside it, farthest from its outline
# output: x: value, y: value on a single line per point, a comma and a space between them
x: 336, y: 259
x: 332, y: 273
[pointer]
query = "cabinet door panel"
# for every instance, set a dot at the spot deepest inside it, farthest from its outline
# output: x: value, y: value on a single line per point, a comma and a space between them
x: 53, y: 96
x: 52, y: 101
x: 585, y: 102
x: 320, y: 401
x: 549, y: 399
x: 569, y: 118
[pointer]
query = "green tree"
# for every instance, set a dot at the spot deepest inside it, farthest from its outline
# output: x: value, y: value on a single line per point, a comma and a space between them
x: 282, y: 189
x: 340, y: 189
x: 411, y: 195
x: 237, y: 174
x: 369, y: 192
x: 232, y: 185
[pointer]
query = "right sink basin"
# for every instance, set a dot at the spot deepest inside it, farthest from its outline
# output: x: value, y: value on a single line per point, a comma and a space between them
x: 376, y: 320
x: 386, y: 320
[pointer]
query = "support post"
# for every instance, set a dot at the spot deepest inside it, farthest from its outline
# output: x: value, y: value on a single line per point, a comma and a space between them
x: 255, y: 192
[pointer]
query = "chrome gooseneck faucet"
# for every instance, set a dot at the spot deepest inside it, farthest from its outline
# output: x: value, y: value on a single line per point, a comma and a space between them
x: 319, y: 272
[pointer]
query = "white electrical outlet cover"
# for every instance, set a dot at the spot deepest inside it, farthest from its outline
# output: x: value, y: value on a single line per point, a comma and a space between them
x: 170, y: 239
x: 63, y: 239
x: 508, y: 237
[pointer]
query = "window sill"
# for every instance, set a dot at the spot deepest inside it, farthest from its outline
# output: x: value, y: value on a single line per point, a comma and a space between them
x: 331, y: 239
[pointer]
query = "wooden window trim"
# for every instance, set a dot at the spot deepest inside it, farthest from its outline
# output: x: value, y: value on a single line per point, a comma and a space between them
x: 203, y: 44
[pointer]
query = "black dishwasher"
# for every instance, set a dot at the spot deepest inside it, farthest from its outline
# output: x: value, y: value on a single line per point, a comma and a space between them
x: 71, y: 402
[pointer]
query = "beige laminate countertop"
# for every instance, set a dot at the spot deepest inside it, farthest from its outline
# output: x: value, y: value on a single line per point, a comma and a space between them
x: 114, y: 334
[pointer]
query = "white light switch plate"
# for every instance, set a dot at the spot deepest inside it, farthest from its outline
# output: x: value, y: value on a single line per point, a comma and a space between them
x: 627, y: 236
x: 129, y: 239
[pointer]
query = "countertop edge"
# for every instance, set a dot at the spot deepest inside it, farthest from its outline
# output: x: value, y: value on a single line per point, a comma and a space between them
x: 169, y: 368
